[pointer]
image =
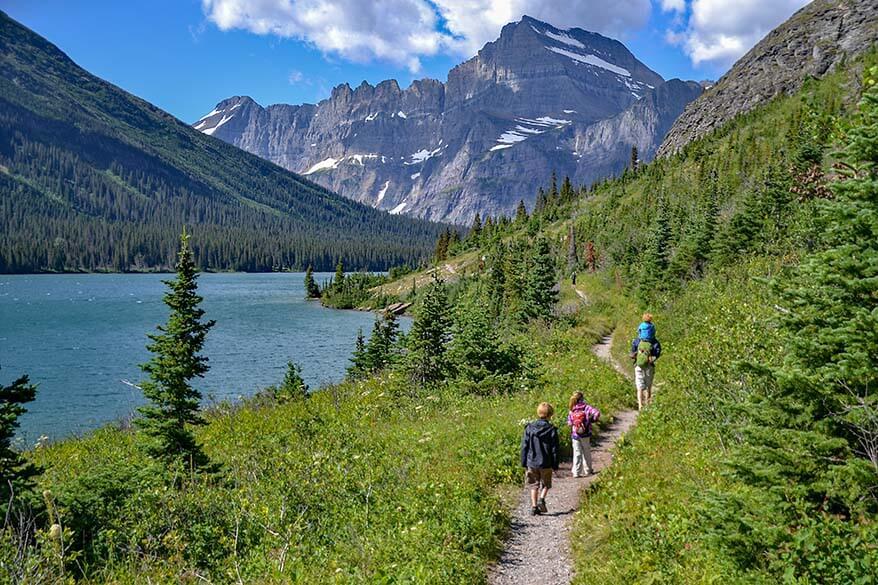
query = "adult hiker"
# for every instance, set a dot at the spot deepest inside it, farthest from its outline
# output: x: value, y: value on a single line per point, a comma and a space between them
x: 645, y: 350
x: 580, y: 419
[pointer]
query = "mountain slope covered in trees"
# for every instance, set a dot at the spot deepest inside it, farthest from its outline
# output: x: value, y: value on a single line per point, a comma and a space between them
x: 93, y: 178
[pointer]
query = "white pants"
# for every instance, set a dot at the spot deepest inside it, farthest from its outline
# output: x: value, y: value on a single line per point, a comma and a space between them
x: 582, y: 456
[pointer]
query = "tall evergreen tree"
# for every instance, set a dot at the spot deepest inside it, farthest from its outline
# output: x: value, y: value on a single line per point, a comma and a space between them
x: 540, y: 296
x: 359, y: 365
x: 174, y: 403
x: 16, y: 473
x: 429, y: 336
x: 568, y: 193
x: 520, y: 213
x: 634, y: 162
x: 442, y: 243
x: 453, y: 241
x: 475, y: 231
x: 338, y: 281
x: 811, y: 451
x: 496, y: 277
x: 655, y: 255
x: 312, y: 291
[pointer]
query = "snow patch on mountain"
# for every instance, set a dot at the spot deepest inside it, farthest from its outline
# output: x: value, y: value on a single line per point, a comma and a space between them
x: 382, y: 193
x: 591, y: 60
x: 210, y: 131
x: 566, y: 39
x: 358, y: 158
x: 324, y: 165
x: 423, y: 155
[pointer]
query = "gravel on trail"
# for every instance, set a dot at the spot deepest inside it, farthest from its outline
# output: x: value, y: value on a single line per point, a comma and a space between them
x: 538, y: 548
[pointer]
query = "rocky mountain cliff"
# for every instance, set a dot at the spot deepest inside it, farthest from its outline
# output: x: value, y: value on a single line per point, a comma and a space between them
x: 536, y: 100
x: 810, y: 44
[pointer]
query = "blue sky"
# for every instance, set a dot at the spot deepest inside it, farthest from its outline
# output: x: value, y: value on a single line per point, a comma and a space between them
x: 186, y: 55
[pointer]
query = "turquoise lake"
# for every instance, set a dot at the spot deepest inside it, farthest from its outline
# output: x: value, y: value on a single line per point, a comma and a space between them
x: 80, y: 337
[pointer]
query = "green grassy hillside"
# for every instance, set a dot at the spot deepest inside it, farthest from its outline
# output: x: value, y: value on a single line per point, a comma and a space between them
x: 756, y: 250
x: 93, y: 178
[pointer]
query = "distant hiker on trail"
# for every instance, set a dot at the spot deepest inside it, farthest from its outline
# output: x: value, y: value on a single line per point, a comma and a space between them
x: 645, y: 350
x: 580, y: 419
x: 540, y: 456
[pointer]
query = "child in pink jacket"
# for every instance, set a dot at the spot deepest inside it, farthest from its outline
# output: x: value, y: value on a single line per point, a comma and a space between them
x: 580, y: 419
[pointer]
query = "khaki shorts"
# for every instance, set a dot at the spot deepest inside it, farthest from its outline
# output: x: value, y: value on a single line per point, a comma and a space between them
x: 539, y: 477
x: 643, y: 377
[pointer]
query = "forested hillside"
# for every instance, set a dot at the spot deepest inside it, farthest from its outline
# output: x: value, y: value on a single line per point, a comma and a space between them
x: 93, y: 178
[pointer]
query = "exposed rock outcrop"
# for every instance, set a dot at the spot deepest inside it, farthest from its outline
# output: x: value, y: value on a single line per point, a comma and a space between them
x: 537, y: 100
x: 811, y: 43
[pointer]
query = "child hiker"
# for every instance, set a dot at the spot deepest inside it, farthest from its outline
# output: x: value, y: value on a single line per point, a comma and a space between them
x: 646, y: 329
x: 540, y: 456
x: 580, y: 419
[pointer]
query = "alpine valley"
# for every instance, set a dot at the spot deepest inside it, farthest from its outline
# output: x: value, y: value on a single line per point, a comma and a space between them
x: 535, y: 101
x: 93, y: 178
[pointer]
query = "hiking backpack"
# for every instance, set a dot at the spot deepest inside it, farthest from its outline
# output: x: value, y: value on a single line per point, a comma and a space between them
x: 644, y: 353
x: 580, y: 423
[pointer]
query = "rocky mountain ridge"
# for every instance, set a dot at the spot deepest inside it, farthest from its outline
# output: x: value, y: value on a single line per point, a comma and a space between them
x: 813, y: 42
x: 538, y: 99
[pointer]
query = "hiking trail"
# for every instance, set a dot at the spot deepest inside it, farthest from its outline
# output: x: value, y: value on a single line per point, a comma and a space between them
x: 538, y: 548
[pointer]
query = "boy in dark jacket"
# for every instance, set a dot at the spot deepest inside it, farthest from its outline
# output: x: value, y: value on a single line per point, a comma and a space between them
x: 540, y: 456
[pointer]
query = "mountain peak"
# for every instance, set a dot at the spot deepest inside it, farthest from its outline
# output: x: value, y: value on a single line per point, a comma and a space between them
x: 503, y: 121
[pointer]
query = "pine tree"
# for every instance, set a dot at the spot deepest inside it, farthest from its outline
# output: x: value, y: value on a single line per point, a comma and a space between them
x: 293, y: 386
x: 359, y: 365
x: 174, y: 403
x: 515, y: 279
x: 338, y: 281
x: 541, y: 295
x: 441, y: 251
x: 487, y: 229
x: 16, y: 473
x: 429, y: 336
x: 496, y: 277
x: 810, y: 456
x: 634, y: 163
x: 655, y: 254
x: 475, y: 231
x: 312, y: 291
x: 568, y: 194
x: 381, y: 347
x: 542, y: 202
x: 453, y: 241
x: 520, y: 213
x: 476, y: 350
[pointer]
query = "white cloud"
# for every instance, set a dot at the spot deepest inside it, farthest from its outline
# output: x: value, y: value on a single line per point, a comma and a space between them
x: 404, y: 31
x: 721, y: 31
x: 295, y: 77
x: 476, y: 22
x: 673, y: 5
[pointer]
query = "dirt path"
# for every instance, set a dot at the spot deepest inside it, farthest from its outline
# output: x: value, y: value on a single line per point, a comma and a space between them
x: 538, y: 549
